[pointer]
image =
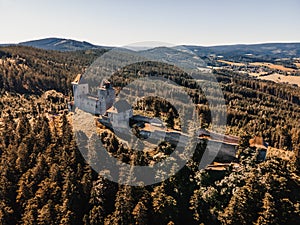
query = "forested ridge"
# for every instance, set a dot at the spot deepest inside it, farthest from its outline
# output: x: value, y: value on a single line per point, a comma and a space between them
x: 45, y: 180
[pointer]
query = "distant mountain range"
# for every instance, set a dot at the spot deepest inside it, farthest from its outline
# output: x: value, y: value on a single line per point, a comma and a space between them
x: 268, y: 50
x: 59, y: 44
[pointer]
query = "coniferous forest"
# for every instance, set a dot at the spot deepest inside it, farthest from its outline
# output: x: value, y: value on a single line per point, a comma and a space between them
x: 44, y: 179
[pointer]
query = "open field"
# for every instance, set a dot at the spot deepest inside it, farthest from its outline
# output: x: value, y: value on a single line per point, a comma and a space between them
x: 297, y: 64
x: 232, y: 63
x: 283, y: 154
x: 262, y: 64
x: 258, y: 74
x: 278, y: 78
x: 273, y: 66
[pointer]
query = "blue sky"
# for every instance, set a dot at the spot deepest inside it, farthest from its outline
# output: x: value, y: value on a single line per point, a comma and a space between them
x: 118, y: 23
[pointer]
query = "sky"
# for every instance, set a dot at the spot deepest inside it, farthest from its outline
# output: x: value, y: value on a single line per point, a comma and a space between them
x: 123, y: 22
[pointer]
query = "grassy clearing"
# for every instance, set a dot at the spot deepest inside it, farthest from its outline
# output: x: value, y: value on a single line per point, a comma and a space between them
x: 273, y: 66
x: 232, y: 63
x: 279, y: 78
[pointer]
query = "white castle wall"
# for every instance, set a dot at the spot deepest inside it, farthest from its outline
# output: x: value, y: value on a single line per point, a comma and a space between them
x: 93, y: 104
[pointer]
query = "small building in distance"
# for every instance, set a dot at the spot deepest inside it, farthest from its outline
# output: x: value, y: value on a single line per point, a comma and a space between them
x: 95, y: 104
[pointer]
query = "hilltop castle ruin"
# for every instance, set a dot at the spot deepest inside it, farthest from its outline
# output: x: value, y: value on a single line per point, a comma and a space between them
x: 95, y: 104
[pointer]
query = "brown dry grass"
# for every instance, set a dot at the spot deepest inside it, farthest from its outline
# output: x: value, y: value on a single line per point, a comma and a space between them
x: 283, y: 154
x: 273, y: 66
x: 297, y: 64
x: 231, y: 63
x: 279, y: 78
x: 258, y: 74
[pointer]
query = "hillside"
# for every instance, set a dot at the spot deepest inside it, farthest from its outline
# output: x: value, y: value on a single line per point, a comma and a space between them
x: 27, y: 70
x: 45, y: 180
x: 252, y: 52
x: 60, y: 44
x: 264, y: 51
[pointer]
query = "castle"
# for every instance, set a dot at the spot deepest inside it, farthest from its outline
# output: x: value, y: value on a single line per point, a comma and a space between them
x: 116, y: 114
x: 95, y: 104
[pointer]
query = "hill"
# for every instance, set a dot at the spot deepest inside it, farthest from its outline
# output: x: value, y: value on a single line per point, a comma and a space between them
x: 27, y: 70
x: 60, y: 44
x: 45, y: 180
x: 266, y: 51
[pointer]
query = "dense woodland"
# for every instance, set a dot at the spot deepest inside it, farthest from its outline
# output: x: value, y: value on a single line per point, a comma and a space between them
x: 45, y: 180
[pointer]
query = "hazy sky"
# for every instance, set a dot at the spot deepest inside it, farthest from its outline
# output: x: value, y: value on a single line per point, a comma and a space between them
x: 113, y: 22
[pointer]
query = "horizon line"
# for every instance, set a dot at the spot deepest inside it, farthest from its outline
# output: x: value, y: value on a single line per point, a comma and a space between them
x: 186, y: 44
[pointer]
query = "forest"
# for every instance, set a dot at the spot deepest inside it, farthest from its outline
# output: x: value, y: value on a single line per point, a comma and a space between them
x: 44, y: 179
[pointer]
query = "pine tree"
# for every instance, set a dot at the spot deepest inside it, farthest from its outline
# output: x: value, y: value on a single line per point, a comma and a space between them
x: 164, y: 205
x: 46, y: 215
x: 268, y: 214
x: 123, y: 206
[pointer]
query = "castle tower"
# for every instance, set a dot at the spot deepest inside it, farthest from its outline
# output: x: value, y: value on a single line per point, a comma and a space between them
x: 75, y: 83
x: 106, y: 96
x: 79, y: 91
